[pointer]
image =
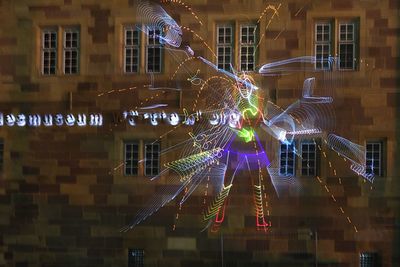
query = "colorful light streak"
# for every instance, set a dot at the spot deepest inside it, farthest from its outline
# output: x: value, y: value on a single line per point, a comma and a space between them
x: 211, y: 144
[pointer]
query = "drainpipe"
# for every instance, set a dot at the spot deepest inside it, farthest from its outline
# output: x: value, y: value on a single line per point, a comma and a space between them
x: 316, y: 248
x: 222, y: 250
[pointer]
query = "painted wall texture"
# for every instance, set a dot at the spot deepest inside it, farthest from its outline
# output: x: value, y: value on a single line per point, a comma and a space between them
x: 62, y: 203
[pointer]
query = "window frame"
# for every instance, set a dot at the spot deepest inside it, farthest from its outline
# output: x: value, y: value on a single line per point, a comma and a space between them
x: 134, y: 28
x: 293, y: 145
x: 336, y: 42
x: 136, y: 257
x: 225, y: 44
x: 60, y: 50
x: 315, y: 169
x: 152, y: 144
x: 347, y: 42
x: 131, y: 142
x: 71, y: 49
x: 323, y: 42
x: 153, y: 46
x: 43, y: 49
x: 248, y: 45
x: 381, y: 157
x: 368, y: 259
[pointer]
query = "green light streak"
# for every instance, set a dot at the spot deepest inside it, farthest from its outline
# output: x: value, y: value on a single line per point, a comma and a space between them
x: 246, y: 134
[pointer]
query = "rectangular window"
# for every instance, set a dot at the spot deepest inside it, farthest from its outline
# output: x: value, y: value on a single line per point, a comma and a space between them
x: 71, y: 51
x: 247, y: 47
x: 136, y: 258
x: 131, y: 49
x: 131, y: 152
x: 49, y: 52
x: 369, y: 259
x: 373, y: 158
x: 336, y: 38
x: 224, y: 46
x: 1, y: 154
x: 152, y: 159
x: 309, y: 158
x: 153, y: 50
x: 287, y: 159
x: 346, y: 46
x: 323, y: 42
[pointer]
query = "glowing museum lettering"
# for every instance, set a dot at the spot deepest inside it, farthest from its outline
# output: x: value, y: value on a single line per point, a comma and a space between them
x: 96, y: 120
x: 153, y: 118
x: 81, y: 121
x: 47, y: 120
x: 21, y: 120
x: 59, y: 120
x: 10, y: 120
x: 36, y: 120
x: 129, y: 115
x: 231, y: 118
x: 173, y: 119
x: 70, y: 120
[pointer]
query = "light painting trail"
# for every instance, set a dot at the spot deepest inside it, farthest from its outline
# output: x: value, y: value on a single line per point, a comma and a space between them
x: 230, y: 113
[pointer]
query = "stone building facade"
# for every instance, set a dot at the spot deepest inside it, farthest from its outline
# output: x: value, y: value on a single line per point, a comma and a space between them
x: 64, y: 195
